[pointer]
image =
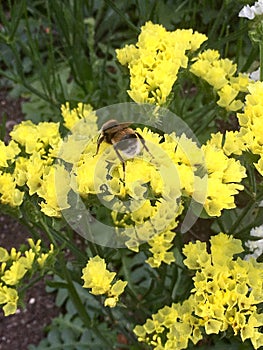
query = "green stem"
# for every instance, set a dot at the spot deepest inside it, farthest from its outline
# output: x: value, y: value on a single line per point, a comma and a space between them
x: 122, y: 15
x: 31, y: 283
x: 80, y: 307
x: 261, y: 60
x: 127, y: 276
x: 49, y: 234
x: 241, y: 217
x: 55, y: 236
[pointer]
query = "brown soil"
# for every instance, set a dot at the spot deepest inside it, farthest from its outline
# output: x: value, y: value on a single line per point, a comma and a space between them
x: 27, y: 325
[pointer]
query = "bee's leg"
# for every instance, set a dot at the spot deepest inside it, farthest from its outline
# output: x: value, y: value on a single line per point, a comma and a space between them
x: 143, y: 143
x: 121, y: 159
x: 99, y: 141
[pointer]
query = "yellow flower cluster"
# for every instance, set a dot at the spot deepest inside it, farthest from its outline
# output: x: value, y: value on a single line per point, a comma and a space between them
x: 251, y: 123
x: 73, y: 116
x: 33, y: 153
x: 37, y: 145
x: 14, y: 266
x: 146, y: 205
x: 224, y: 174
x: 225, y: 297
x: 160, y: 244
x: 220, y: 73
x: 168, y: 175
x: 9, y: 192
x: 155, y: 60
x: 34, y: 169
x: 99, y: 279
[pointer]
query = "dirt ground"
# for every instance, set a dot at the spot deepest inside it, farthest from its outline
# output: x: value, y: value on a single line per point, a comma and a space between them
x: 28, y: 324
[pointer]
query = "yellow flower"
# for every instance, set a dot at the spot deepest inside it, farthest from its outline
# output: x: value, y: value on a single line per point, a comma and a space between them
x: 241, y: 82
x: 224, y: 174
x: 54, y: 189
x: 212, y: 326
x: 224, y: 297
x: 196, y: 255
x: 33, y: 168
x: 9, y: 194
x: 209, y: 55
x: 97, y: 277
x: 227, y: 244
x: 145, y: 211
x: 160, y: 244
x: 250, y: 330
x: 4, y: 256
x: 26, y: 134
x: 216, y: 76
x: 8, y: 153
x: 113, y: 295
x: 259, y: 165
x: 14, y: 274
x: 73, y: 146
x: 211, y: 68
x: 36, y: 137
x: 14, y: 254
x: 20, y: 171
x: 155, y: 60
x: 127, y: 54
x: 14, y: 268
x: 9, y: 297
x: 19, y: 268
x: 227, y: 98
x: 220, y: 74
x: 223, y: 288
x: 48, y: 134
x: 36, y: 247
x: 233, y: 143
x: 175, y: 325
x: 251, y: 131
x: 83, y: 112
x: 41, y: 260
x: 90, y: 174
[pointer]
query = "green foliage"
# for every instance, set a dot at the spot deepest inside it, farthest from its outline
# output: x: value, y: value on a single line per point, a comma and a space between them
x: 53, y: 51
x: 48, y: 50
x: 221, y: 345
x: 68, y: 331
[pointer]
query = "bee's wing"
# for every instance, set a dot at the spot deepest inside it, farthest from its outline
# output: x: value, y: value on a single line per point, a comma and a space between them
x: 115, y: 128
x: 125, y: 124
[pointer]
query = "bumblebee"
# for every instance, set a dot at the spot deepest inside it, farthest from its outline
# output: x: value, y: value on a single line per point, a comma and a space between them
x: 123, y: 138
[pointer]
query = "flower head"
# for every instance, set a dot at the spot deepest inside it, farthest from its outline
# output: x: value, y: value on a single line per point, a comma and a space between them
x: 96, y: 276
x: 224, y: 175
x: 14, y: 266
x: 250, y: 12
x: 251, y: 131
x: 225, y: 297
x: 99, y: 279
x: 255, y: 246
x: 155, y: 60
x: 221, y: 74
x: 72, y: 117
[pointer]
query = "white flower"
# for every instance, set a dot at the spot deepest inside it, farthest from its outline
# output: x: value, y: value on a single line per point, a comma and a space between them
x: 256, y: 247
x: 247, y: 12
x: 251, y: 11
x: 258, y: 8
x: 255, y: 76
